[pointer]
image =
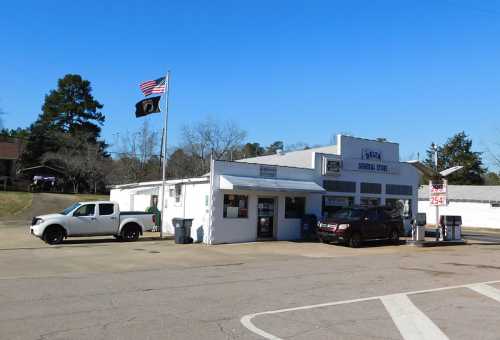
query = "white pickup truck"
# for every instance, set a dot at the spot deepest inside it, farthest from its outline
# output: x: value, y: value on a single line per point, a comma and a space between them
x: 97, y: 218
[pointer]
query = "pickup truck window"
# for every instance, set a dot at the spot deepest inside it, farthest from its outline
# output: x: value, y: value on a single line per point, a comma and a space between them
x: 106, y: 209
x: 70, y: 208
x: 85, y: 210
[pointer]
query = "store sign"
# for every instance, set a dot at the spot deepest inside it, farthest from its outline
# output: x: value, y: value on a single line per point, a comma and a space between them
x: 371, y: 155
x: 331, y: 167
x: 356, y: 164
x: 438, y: 192
x: 373, y: 167
x: 268, y: 171
x: 332, y: 201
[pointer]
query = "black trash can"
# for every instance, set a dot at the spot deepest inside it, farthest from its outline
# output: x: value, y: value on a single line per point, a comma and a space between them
x: 182, y: 230
x: 308, y: 226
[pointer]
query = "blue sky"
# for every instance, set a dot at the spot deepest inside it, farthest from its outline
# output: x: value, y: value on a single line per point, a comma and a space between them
x: 413, y: 71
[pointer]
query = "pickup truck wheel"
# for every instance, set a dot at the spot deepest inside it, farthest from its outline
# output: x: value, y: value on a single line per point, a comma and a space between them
x: 394, y: 236
x: 355, y: 240
x: 53, y: 235
x: 131, y: 233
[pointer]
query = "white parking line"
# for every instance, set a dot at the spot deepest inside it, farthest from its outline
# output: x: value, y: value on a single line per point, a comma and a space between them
x: 486, y: 290
x: 411, y: 322
x: 247, y: 319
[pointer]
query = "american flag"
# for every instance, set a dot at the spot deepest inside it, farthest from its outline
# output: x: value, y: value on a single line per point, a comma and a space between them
x: 154, y: 86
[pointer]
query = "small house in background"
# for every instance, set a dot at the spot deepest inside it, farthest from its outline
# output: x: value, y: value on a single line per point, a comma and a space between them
x: 265, y: 197
x: 42, y: 178
x: 10, y: 152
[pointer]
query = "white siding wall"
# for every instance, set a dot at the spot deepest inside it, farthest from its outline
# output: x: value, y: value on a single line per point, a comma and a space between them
x: 141, y: 202
x: 479, y: 215
x: 191, y: 205
x: 129, y: 198
x: 122, y: 197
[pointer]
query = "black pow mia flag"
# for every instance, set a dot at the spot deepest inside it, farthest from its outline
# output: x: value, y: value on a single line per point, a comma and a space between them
x: 147, y: 106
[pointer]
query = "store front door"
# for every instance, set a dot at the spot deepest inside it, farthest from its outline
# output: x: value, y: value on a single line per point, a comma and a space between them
x: 265, y: 217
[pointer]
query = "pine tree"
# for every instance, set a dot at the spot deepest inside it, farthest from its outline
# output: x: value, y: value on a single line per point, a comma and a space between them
x: 68, y: 110
x: 458, y: 151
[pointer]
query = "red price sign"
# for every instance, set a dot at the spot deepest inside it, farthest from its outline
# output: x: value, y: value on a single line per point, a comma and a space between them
x: 438, y: 200
x: 438, y: 187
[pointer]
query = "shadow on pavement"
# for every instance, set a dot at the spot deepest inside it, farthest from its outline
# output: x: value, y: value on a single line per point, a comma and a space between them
x: 366, y: 244
x: 112, y: 240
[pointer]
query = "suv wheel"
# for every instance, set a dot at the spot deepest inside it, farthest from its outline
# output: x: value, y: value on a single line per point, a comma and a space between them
x: 355, y: 240
x: 394, y: 236
x: 322, y: 240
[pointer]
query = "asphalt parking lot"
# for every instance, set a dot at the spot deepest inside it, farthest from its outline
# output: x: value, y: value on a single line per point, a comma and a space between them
x: 102, y: 289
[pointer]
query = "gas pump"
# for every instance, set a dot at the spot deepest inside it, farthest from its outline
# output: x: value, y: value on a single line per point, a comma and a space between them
x: 418, y: 227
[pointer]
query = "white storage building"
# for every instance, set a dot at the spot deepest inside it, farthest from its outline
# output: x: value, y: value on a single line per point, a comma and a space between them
x: 479, y: 206
x: 265, y: 197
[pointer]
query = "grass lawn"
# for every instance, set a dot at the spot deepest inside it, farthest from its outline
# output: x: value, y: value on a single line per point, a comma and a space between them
x: 90, y: 197
x: 13, y: 202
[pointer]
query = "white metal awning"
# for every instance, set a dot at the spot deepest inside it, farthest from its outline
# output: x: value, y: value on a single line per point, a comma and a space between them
x: 146, y: 191
x: 268, y: 184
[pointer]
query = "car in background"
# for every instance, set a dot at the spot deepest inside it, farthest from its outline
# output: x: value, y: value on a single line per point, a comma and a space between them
x: 99, y: 218
x: 354, y: 225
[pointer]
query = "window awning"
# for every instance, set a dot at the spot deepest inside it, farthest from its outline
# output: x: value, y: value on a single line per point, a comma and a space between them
x: 268, y: 184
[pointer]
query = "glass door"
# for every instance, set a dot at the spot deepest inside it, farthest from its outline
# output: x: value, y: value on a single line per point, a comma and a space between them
x: 265, y: 217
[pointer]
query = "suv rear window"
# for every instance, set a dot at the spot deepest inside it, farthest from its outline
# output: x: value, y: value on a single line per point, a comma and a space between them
x: 106, y: 209
x: 372, y: 215
x: 347, y: 214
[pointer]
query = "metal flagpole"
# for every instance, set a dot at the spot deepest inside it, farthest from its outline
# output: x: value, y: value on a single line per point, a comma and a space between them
x: 163, y: 228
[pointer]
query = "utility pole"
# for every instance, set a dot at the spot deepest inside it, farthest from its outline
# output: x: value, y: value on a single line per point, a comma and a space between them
x: 435, y: 156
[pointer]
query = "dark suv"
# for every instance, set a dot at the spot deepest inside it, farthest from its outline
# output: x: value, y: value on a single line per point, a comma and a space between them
x: 354, y: 225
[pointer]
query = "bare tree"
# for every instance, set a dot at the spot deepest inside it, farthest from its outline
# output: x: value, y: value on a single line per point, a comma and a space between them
x: 81, y: 159
x: 211, y: 138
x: 142, y: 144
x: 72, y: 162
x: 138, y: 157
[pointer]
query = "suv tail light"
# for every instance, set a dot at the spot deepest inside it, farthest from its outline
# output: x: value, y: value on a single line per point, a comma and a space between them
x: 154, y: 218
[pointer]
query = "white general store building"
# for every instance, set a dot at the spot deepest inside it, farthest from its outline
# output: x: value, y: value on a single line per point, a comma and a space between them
x: 265, y: 197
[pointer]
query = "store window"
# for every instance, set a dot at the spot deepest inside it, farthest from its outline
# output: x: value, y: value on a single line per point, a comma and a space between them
x: 332, y: 204
x: 401, y: 205
x: 396, y: 189
x: 371, y: 188
x: 295, y: 207
x: 235, y: 206
x: 339, y: 186
x: 370, y: 201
